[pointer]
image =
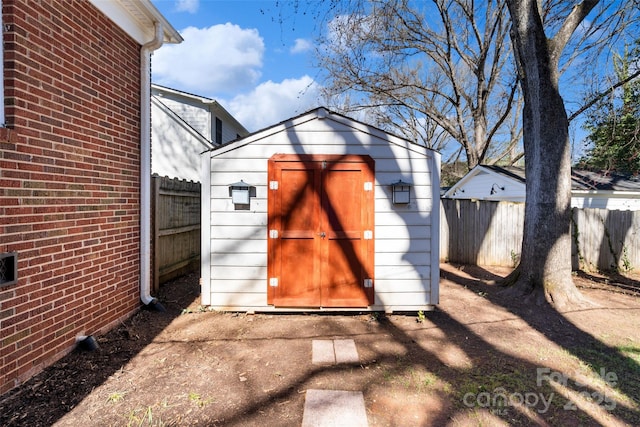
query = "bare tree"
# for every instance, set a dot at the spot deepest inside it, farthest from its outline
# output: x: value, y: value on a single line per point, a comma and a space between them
x: 449, y: 68
x: 434, y: 72
x: 541, y: 33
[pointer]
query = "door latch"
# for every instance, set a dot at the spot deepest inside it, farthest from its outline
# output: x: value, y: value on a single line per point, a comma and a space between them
x: 322, y: 234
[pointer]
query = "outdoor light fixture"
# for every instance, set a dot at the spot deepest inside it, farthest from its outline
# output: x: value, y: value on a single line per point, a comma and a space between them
x: 401, y: 192
x: 240, y: 193
x: 494, y: 188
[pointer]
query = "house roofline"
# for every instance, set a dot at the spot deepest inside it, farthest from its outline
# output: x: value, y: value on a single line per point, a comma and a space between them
x: 503, y: 171
x: 138, y: 19
x: 208, y: 144
x: 622, y: 193
x: 580, y: 183
x: 212, y: 103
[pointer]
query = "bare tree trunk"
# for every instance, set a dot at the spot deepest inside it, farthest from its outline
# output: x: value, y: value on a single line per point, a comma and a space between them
x: 545, y: 268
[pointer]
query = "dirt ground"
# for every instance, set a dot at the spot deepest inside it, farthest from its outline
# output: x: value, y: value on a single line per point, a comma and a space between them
x: 477, y: 359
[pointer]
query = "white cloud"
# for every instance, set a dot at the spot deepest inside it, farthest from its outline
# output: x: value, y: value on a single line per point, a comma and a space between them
x: 219, y: 59
x: 190, y: 6
x: 270, y: 103
x: 302, y: 45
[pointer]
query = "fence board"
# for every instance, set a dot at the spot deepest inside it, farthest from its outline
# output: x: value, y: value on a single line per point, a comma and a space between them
x: 490, y: 233
x: 176, y: 224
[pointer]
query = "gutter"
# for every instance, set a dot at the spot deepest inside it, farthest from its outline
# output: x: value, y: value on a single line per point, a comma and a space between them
x: 145, y: 169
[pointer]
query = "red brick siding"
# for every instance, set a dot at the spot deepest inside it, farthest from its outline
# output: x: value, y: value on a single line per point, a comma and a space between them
x: 69, y: 180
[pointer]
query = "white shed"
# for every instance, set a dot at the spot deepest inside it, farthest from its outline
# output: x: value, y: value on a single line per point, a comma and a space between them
x: 588, y: 189
x: 485, y: 182
x: 302, y: 216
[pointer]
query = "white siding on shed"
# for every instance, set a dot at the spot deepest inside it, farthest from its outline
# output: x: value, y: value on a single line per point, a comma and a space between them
x: 406, y: 236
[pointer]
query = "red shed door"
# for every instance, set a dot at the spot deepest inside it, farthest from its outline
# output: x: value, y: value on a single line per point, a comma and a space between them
x: 320, y: 231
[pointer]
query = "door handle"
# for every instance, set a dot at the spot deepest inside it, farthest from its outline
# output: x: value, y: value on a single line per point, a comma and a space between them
x: 322, y: 234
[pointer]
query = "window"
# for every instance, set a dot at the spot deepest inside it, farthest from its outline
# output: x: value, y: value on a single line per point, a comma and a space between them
x: 218, y: 131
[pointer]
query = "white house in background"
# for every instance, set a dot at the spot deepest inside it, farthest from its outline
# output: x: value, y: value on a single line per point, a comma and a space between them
x: 486, y: 182
x: 183, y: 127
x: 320, y: 212
x: 588, y: 189
x: 605, y: 191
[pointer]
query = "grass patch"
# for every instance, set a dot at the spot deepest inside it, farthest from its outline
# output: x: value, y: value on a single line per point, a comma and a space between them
x: 479, y: 380
x: 617, y: 368
x: 144, y: 417
x: 631, y: 351
x: 499, y: 392
x: 198, y: 400
x: 419, y: 380
x: 116, y: 396
x: 624, y: 361
x: 414, y: 378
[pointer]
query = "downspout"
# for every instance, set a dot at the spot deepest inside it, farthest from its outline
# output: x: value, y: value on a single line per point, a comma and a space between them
x: 2, y: 120
x: 145, y: 169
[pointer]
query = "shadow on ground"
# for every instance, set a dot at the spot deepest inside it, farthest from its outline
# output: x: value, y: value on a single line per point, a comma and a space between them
x: 476, y: 360
x: 47, y: 397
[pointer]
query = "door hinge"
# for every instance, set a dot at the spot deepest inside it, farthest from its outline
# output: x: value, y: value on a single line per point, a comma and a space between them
x: 368, y: 283
x: 368, y: 234
x: 273, y: 185
x: 368, y: 186
x: 273, y: 282
x: 324, y: 164
x: 273, y: 234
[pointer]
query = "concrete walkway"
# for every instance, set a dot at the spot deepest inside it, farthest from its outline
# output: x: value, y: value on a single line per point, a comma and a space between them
x: 334, y: 408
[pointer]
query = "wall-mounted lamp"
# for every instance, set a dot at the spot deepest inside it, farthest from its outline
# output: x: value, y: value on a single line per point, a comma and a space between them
x: 495, y: 187
x: 401, y: 192
x: 240, y: 193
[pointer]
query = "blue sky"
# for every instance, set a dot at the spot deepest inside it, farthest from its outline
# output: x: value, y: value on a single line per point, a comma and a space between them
x: 253, y: 57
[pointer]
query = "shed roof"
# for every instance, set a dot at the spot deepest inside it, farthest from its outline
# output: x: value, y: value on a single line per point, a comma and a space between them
x: 317, y: 113
x: 513, y: 172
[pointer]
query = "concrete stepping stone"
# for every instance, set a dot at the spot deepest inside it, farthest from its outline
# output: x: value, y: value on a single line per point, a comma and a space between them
x: 346, y: 351
x: 334, y: 351
x: 322, y: 352
x: 334, y: 408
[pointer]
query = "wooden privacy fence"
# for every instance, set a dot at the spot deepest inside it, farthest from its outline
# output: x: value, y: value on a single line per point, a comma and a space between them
x: 490, y: 233
x: 176, y: 228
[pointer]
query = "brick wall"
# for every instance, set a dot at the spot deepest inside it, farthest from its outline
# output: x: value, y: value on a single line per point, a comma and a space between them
x: 69, y: 180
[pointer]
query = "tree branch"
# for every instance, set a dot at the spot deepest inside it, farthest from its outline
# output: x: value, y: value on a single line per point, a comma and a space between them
x: 577, y: 15
x: 601, y: 95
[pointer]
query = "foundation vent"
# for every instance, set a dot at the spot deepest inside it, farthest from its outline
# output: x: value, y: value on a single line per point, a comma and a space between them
x: 8, y: 268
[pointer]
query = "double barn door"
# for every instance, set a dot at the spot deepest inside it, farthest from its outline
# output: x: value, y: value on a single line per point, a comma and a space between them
x: 320, y: 242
